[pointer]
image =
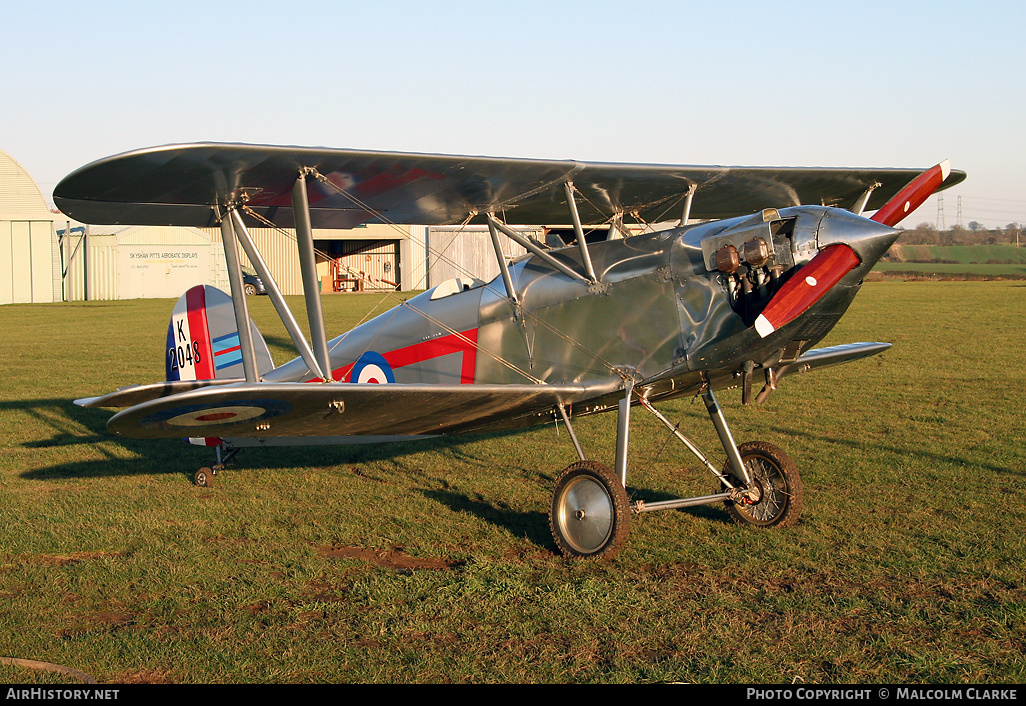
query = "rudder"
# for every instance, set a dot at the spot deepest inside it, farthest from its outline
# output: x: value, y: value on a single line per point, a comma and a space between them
x: 203, y: 339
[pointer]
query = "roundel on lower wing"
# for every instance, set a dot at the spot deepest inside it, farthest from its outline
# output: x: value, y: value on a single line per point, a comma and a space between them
x: 373, y: 368
x: 214, y: 414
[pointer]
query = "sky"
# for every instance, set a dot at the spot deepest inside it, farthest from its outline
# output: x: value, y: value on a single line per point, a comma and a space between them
x: 867, y: 84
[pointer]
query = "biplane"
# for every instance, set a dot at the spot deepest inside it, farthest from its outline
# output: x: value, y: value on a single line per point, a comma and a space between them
x: 750, y: 268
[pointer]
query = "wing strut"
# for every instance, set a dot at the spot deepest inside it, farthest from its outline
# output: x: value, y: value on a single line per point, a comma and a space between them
x: 533, y: 248
x: 500, y: 257
x: 688, y: 199
x: 308, y: 265
x: 860, y: 205
x: 616, y: 228
x: 239, y: 305
x: 582, y: 244
x: 284, y: 313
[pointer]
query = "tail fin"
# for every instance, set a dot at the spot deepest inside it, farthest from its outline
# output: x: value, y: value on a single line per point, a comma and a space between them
x: 203, y: 339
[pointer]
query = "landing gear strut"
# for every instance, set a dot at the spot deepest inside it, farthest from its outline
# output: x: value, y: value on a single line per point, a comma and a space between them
x: 590, y: 512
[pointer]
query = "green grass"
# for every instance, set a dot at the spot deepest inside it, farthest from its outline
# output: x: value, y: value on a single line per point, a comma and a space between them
x: 432, y: 561
x: 963, y: 254
x: 953, y: 270
x: 955, y: 261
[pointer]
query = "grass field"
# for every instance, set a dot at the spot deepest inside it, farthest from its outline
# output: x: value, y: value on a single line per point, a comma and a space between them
x: 960, y: 253
x: 975, y: 261
x: 953, y: 270
x: 432, y: 561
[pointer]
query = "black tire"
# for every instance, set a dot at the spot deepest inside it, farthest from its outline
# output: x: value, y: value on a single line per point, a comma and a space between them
x: 779, y: 488
x: 204, y: 478
x: 249, y: 289
x: 590, y: 513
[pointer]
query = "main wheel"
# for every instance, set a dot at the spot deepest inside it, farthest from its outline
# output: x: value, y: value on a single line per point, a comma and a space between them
x: 775, y: 499
x: 204, y: 478
x: 590, y: 515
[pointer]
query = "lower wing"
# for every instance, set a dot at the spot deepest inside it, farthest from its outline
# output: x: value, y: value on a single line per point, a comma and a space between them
x: 342, y: 409
x: 274, y: 410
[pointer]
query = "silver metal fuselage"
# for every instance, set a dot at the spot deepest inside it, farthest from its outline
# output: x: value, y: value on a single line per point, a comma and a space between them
x: 661, y: 318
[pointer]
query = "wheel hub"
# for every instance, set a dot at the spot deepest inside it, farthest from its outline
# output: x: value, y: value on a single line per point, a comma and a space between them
x: 754, y: 493
x: 586, y: 514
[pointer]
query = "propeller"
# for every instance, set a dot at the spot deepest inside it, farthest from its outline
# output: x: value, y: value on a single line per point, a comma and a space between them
x: 833, y: 262
x: 913, y: 195
x: 806, y: 287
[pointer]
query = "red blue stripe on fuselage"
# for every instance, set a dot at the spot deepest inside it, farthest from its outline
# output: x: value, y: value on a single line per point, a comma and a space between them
x: 464, y: 342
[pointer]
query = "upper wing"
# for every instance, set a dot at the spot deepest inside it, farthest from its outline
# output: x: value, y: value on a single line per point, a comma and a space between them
x: 341, y: 409
x: 179, y: 185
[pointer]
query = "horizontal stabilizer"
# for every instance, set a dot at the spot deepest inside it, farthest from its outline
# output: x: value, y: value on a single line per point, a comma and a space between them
x: 131, y: 395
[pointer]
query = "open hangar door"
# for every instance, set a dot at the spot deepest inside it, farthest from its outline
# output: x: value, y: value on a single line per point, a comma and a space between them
x: 358, y: 265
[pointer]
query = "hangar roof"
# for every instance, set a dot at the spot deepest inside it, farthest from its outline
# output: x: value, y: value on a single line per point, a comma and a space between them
x: 20, y: 197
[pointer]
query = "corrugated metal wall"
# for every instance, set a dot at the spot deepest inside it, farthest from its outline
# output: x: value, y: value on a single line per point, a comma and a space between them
x: 161, y: 262
x: 28, y: 257
x: 279, y: 252
x: 423, y: 258
x: 26, y: 261
x: 455, y: 252
x: 102, y: 260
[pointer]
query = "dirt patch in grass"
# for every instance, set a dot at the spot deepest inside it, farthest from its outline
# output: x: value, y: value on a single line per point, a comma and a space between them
x: 258, y: 607
x: 394, y: 559
x: 109, y: 620
x: 66, y: 559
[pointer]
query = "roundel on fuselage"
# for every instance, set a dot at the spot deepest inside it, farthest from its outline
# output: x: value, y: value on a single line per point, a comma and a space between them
x: 373, y: 368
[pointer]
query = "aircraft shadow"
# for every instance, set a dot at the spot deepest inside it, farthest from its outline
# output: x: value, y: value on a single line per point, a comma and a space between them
x: 72, y: 425
x: 531, y: 525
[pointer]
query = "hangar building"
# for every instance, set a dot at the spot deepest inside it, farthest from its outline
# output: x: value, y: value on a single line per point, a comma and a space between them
x: 30, y: 268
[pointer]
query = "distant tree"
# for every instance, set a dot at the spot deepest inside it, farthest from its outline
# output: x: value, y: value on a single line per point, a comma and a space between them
x: 922, y: 234
x: 1012, y: 230
x: 975, y: 225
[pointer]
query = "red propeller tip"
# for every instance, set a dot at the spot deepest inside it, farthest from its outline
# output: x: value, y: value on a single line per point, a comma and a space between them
x: 913, y: 195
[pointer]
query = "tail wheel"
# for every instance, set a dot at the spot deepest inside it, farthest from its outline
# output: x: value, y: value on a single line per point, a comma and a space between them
x: 775, y: 498
x: 204, y: 478
x: 590, y: 515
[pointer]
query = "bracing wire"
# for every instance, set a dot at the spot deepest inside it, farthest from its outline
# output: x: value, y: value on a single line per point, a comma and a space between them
x: 535, y: 319
x: 404, y: 302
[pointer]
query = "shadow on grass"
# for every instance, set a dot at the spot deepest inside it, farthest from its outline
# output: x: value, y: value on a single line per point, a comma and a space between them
x: 533, y: 526
x: 897, y: 450
x: 126, y: 457
x: 71, y: 426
